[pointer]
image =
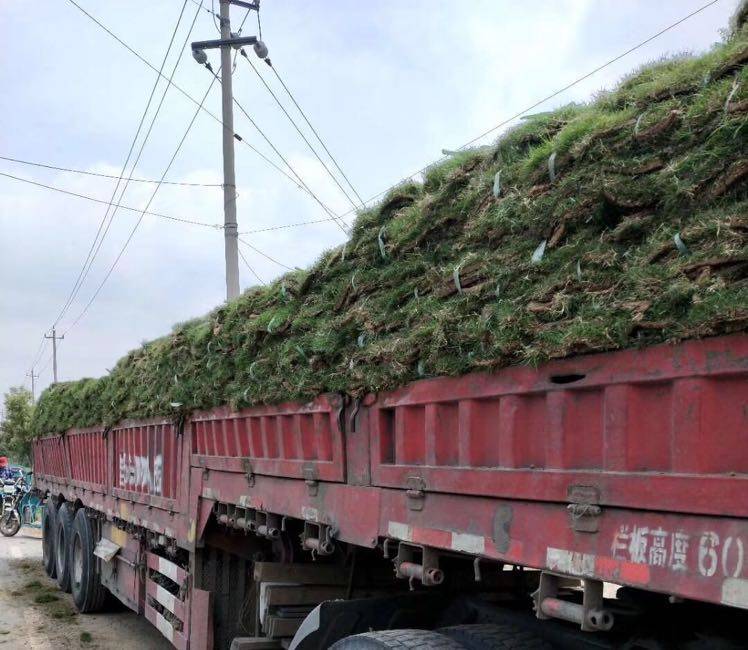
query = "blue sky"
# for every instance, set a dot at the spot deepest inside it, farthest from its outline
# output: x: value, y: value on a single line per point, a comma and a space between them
x: 388, y: 84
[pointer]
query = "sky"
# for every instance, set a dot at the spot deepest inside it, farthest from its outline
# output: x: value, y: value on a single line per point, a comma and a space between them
x: 387, y: 84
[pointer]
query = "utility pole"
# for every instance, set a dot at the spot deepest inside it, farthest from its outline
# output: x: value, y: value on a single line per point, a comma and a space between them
x: 54, y: 338
x: 34, y: 376
x: 230, y: 235
x: 226, y: 43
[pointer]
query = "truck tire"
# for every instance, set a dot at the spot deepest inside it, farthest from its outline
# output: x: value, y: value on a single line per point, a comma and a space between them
x: 49, y: 527
x: 85, y: 578
x: 398, y: 640
x: 489, y: 636
x: 64, y: 529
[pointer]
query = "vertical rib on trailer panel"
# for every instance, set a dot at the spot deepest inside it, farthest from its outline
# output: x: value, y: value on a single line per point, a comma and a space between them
x: 650, y: 429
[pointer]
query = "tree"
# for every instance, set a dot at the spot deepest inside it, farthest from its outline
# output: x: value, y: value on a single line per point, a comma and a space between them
x: 15, y: 429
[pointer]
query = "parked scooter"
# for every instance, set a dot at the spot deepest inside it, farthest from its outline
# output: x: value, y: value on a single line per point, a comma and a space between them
x: 13, y: 491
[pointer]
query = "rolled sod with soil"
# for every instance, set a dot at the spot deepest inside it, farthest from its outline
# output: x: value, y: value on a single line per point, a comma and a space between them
x: 615, y: 224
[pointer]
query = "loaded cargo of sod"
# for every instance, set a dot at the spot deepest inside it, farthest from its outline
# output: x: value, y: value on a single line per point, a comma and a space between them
x: 619, y: 223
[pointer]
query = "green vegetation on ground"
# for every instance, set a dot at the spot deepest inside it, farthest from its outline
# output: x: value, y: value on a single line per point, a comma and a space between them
x: 619, y: 223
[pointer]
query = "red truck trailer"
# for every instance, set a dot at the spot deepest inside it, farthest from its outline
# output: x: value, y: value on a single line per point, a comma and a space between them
x: 489, y: 510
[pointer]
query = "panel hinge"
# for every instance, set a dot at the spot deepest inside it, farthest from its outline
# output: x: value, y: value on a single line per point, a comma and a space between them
x: 584, y: 508
x: 311, y: 478
x: 248, y: 472
x: 416, y: 492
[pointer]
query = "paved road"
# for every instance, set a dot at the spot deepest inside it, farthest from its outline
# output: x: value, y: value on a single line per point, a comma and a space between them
x: 35, y: 615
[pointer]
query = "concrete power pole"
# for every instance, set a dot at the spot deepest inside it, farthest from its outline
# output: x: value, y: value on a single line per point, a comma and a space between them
x: 226, y: 43
x: 230, y: 236
x: 34, y: 376
x: 54, y: 338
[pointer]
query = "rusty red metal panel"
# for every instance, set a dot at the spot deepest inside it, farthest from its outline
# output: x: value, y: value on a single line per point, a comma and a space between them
x: 654, y: 437
x: 122, y: 575
x: 292, y: 440
x: 49, y: 454
x: 700, y: 557
x: 661, y: 428
x: 147, y: 459
x: 86, y: 450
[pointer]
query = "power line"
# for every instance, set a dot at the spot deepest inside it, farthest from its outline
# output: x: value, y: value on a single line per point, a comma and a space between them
x: 39, y: 352
x: 423, y: 169
x: 297, y: 180
x: 140, y: 219
x: 265, y: 255
x: 205, y: 9
x: 45, y: 366
x: 545, y: 99
x: 300, y: 180
x: 285, y: 225
x: 589, y: 74
x: 316, y: 134
x: 197, y: 103
x: 150, y: 128
x: 99, y: 238
x: 299, y: 131
x: 193, y: 222
x: 101, y: 175
x: 244, y: 259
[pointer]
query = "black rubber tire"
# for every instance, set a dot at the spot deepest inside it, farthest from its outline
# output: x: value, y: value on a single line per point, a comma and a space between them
x: 488, y: 636
x: 65, y: 514
x: 10, y: 524
x: 89, y: 595
x: 49, y: 527
x: 398, y: 640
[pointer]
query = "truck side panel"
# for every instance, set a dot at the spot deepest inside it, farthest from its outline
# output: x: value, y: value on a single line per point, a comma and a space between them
x: 661, y: 429
x: 628, y: 467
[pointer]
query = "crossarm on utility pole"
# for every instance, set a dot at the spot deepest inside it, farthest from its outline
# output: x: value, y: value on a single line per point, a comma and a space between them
x: 54, y: 338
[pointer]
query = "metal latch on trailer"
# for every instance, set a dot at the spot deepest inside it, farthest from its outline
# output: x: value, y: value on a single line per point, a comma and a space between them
x: 248, y: 472
x: 311, y: 478
x: 416, y: 492
x: 584, y: 509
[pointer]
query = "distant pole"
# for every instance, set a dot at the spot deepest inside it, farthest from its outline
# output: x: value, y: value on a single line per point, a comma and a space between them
x: 34, y: 377
x: 230, y: 234
x: 54, y: 338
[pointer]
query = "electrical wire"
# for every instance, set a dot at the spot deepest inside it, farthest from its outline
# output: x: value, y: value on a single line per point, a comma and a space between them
x: 420, y: 171
x: 148, y: 132
x: 244, y: 259
x: 200, y: 4
x: 145, y: 61
x: 299, y: 131
x: 193, y: 222
x: 296, y: 178
x: 589, y: 74
x: 45, y: 366
x: 195, y: 101
x: 545, y: 99
x: 99, y: 238
x: 338, y: 220
x: 215, y: 15
x: 316, y: 134
x: 284, y: 226
x: 265, y: 255
x: 100, y: 175
x: 140, y: 219
x: 39, y: 352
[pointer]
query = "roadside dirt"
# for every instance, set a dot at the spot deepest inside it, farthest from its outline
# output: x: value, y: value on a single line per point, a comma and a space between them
x: 36, y: 615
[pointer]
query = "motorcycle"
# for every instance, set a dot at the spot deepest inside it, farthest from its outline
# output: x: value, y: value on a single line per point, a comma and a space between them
x: 13, y: 492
